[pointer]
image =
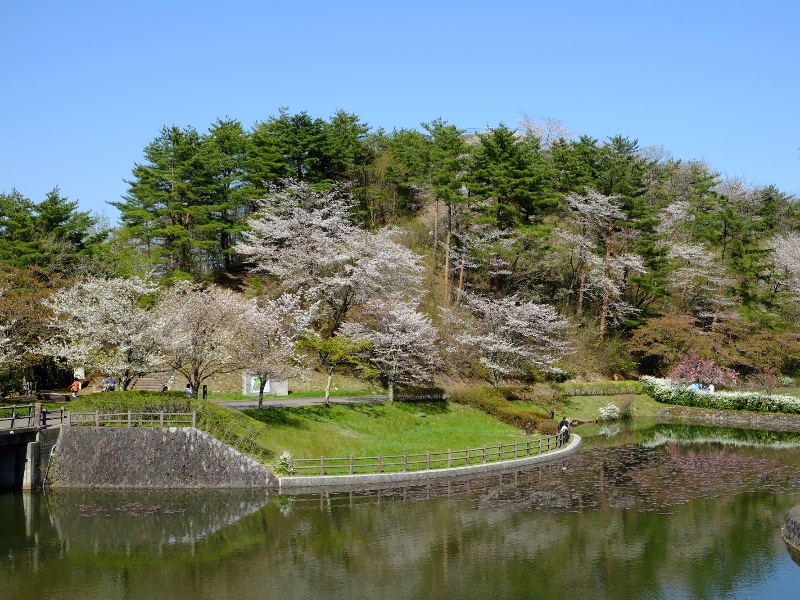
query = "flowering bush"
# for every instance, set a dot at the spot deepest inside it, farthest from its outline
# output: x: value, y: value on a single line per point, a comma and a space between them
x: 284, y: 464
x: 663, y: 390
x: 609, y: 412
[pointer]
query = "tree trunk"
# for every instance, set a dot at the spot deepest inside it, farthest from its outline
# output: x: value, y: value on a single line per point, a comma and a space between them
x: 581, y: 290
x: 391, y: 391
x: 328, y: 388
x: 606, y: 289
x: 460, y: 279
x: 435, y: 238
x: 262, y: 383
x: 447, y: 269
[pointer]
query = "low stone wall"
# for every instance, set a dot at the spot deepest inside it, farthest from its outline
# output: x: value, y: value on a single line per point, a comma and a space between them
x: 151, y: 457
x: 304, y: 484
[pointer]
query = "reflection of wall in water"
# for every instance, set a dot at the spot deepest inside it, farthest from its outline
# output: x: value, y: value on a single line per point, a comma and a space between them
x: 147, y: 521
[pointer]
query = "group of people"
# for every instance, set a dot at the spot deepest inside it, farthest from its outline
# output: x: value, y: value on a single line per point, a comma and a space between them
x: 699, y: 387
x: 563, y: 427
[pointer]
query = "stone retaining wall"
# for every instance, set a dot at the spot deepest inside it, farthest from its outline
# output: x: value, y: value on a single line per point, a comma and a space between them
x: 305, y: 484
x: 151, y: 457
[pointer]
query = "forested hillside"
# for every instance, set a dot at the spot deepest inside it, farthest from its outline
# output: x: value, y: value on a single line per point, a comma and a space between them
x: 524, y: 252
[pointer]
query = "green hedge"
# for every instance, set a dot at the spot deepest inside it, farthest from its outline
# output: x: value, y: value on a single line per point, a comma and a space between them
x: 598, y: 388
x: 662, y: 390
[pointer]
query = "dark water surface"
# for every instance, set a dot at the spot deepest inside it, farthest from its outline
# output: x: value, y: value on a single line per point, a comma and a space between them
x: 672, y: 512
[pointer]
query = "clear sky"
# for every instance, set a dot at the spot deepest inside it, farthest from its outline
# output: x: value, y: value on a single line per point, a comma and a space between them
x: 88, y: 84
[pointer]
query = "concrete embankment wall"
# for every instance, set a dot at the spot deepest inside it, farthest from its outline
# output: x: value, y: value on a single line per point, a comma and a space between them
x: 304, y: 484
x: 791, y: 529
x: 151, y: 457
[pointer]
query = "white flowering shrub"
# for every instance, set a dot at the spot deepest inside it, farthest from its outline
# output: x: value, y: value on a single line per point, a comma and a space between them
x: 284, y: 464
x: 662, y: 390
x: 609, y: 412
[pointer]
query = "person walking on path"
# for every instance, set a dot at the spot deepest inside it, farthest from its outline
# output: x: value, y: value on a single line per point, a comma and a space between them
x: 75, y: 387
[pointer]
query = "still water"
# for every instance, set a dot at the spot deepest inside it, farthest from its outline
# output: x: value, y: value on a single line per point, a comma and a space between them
x: 664, y: 513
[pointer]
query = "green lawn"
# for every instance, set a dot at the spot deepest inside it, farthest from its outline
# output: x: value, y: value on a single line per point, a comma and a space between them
x: 386, y: 428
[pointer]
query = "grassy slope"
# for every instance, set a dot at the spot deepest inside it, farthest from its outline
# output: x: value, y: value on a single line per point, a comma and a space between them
x: 372, y: 429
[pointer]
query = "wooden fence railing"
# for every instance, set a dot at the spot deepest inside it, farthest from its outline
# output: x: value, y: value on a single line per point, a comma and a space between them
x: 25, y: 416
x: 17, y: 416
x: 429, y: 460
x: 131, y: 419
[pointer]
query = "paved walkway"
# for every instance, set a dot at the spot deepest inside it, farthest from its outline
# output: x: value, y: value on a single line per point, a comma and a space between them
x: 292, y: 402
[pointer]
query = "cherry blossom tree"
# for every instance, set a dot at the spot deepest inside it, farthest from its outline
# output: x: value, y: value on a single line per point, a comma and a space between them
x: 103, y: 325
x: 604, y: 265
x: 695, y: 368
x: 513, y: 336
x: 200, y: 331
x: 403, y: 343
x: 305, y: 239
x: 786, y: 255
x: 272, y: 330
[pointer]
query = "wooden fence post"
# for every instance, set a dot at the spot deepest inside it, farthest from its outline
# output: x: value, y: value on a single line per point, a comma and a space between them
x: 161, y: 419
x: 429, y: 460
x: 322, y: 465
x: 405, y: 462
x: 129, y: 418
x: 351, y: 464
x: 97, y: 418
x: 379, y: 463
x: 194, y: 419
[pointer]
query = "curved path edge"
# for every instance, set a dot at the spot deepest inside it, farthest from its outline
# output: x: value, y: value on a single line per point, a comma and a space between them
x: 290, y: 483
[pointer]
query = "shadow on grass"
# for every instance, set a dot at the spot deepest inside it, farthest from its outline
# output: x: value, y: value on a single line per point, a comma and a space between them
x: 277, y: 417
x: 431, y: 408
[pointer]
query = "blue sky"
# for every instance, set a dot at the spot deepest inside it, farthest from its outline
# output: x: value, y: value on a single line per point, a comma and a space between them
x: 88, y: 84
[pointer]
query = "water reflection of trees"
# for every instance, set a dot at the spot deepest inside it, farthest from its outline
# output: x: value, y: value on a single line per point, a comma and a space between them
x: 630, y: 522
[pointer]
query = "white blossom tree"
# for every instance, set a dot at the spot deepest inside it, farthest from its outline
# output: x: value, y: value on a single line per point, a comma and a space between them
x: 403, y: 343
x: 513, y: 336
x: 786, y: 255
x: 605, y: 266
x: 104, y: 325
x: 272, y: 330
x: 200, y: 331
x: 306, y: 240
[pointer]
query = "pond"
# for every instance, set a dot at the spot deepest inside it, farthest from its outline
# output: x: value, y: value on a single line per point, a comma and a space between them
x: 665, y: 512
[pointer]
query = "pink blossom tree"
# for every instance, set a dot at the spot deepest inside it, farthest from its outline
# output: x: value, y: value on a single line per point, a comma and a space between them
x: 694, y: 368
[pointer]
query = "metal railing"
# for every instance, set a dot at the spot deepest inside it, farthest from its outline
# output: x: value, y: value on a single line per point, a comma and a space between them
x: 131, y: 419
x: 403, y: 463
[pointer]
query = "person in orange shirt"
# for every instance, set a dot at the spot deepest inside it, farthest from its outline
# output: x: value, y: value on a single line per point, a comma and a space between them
x: 75, y: 387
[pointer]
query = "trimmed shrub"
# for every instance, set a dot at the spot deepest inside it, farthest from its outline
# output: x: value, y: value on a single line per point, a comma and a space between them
x: 493, y: 402
x: 661, y: 390
x: 598, y: 388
